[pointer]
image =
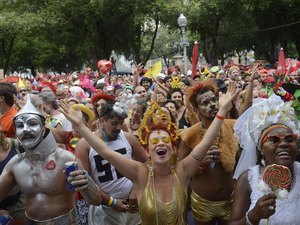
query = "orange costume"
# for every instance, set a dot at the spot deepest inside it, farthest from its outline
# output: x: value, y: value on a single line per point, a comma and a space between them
x: 6, y: 122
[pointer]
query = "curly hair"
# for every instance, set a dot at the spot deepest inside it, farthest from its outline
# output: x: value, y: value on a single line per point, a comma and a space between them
x: 200, y: 88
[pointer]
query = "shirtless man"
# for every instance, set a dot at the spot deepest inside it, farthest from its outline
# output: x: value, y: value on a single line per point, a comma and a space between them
x: 212, y: 185
x: 39, y: 173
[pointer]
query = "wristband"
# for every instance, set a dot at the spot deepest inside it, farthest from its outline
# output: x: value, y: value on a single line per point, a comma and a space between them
x: 110, y: 202
x: 114, y: 205
x: 220, y: 117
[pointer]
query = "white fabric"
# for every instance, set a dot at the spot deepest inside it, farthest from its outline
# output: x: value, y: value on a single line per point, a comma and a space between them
x: 66, y: 124
x: 109, y: 216
x: 114, y: 186
x: 248, y: 155
x: 286, y: 210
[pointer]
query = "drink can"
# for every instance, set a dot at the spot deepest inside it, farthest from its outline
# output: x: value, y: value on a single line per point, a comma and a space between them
x: 70, y: 167
x: 6, y: 220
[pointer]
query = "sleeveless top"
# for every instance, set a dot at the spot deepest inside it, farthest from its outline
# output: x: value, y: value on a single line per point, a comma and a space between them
x: 11, y: 154
x: 182, y: 123
x: 155, y: 212
x: 105, y: 175
x: 286, y: 210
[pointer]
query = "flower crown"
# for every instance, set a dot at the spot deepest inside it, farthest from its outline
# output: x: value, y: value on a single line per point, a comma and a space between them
x: 151, y: 120
x: 273, y: 111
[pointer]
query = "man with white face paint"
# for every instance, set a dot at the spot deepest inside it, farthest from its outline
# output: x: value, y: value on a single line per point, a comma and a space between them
x: 38, y: 171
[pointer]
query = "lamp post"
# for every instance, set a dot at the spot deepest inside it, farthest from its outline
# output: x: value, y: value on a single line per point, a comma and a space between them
x: 182, y: 21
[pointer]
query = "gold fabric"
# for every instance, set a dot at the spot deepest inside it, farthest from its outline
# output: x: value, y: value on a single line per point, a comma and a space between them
x: 205, y: 210
x: 227, y: 142
x: 155, y: 212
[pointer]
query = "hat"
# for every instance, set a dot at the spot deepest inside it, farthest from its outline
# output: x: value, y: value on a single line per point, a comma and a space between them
x: 271, y: 112
x: 99, y: 96
x: 161, y: 76
x: 29, y: 108
x: 86, y: 110
x: 47, y: 84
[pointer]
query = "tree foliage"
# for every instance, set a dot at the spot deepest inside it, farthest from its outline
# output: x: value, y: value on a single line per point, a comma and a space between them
x: 65, y: 35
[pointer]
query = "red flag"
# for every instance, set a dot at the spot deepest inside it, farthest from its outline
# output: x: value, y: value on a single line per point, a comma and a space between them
x: 194, y: 59
x: 281, y: 67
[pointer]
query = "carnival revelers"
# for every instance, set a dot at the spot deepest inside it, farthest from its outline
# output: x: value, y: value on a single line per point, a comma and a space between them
x: 117, y: 187
x: 161, y: 183
x: 7, y: 110
x: 39, y: 172
x: 272, y: 127
x: 14, y: 203
x: 212, y: 184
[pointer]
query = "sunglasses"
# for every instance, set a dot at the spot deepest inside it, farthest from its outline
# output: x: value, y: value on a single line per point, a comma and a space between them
x: 156, y: 140
x: 288, y: 139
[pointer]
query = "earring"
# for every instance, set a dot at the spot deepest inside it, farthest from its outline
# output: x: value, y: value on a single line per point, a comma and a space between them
x: 150, y: 169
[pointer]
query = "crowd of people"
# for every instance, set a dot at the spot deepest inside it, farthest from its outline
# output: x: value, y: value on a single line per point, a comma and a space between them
x: 161, y: 149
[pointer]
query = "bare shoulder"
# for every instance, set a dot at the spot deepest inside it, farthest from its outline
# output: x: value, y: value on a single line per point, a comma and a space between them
x: 64, y: 155
x: 242, y: 183
x: 133, y: 140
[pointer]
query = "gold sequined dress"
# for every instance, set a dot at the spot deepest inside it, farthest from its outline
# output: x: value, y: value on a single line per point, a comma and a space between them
x: 155, y: 212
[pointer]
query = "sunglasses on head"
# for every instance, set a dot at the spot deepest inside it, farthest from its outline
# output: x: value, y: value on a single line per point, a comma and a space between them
x: 289, y: 138
x: 156, y: 140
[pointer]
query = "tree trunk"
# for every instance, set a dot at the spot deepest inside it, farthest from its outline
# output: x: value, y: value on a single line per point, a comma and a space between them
x: 7, y: 52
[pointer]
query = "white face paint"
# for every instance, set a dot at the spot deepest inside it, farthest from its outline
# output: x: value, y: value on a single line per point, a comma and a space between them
x: 29, y: 130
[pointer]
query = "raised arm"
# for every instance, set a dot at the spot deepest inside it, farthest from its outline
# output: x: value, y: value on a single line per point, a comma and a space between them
x: 191, y: 163
x: 249, y: 92
x: 129, y: 168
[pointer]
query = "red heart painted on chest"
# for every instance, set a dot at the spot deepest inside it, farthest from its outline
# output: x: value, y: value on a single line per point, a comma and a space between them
x: 51, y: 165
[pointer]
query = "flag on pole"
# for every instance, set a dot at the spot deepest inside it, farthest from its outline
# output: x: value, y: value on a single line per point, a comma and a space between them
x: 281, y: 67
x: 194, y: 59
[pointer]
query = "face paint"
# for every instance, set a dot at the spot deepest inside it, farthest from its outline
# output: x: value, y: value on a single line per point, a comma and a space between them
x: 29, y: 130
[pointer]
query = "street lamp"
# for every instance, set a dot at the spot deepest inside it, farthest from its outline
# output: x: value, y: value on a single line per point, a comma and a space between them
x: 182, y: 21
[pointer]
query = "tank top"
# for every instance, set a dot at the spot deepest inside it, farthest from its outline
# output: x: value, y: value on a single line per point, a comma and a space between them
x: 155, y: 212
x: 11, y: 154
x: 105, y: 175
x: 182, y: 123
x: 286, y: 210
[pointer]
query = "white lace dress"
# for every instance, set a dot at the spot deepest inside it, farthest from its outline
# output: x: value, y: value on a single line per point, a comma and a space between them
x: 287, y: 211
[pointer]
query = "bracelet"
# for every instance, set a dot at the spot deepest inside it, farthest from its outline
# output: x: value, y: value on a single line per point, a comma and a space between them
x: 110, y: 202
x: 194, y: 156
x: 114, y: 205
x: 247, y: 219
x: 220, y: 117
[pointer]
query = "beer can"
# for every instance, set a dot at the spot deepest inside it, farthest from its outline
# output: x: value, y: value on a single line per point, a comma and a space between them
x: 6, y: 220
x: 70, y: 167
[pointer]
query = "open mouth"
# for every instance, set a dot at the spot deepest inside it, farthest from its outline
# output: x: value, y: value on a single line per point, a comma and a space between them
x: 283, y: 154
x: 161, y: 152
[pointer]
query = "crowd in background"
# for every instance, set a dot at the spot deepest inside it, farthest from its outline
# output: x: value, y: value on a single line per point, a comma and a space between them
x: 190, y: 103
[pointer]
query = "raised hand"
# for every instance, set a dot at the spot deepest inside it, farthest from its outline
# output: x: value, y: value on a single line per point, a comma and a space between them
x: 74, y: 116
x: 225, y: 100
